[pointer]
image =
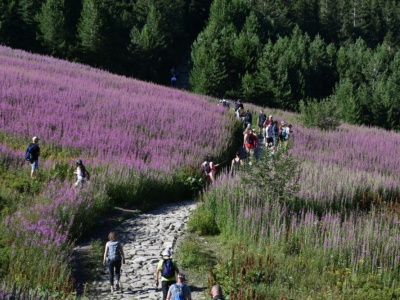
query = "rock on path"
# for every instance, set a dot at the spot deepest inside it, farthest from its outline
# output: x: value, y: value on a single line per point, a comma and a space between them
x: 144, y: 237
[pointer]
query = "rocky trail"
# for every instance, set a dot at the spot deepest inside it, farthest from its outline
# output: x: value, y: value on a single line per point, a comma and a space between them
x: 144, y: 237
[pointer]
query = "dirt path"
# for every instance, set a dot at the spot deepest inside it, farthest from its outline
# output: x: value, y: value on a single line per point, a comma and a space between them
x: 144, y: 238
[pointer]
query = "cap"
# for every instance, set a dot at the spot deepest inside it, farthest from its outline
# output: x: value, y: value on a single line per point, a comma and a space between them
x: 182, y: 276
x: 166, y: 252
x: 35, y: 139
x: 79, y: 161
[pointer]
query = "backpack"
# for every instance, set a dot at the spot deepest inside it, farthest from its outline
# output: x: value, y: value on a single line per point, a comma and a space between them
x: 168, y: 269
x: 207, y: 167
x: 284, y: 132
x: 247, y: 117
x: 262, y: 118
x: 179, y: 292
x: 85, y: 173
x: 114, y: 253
x: 250, y: 139
x: 28, y: 153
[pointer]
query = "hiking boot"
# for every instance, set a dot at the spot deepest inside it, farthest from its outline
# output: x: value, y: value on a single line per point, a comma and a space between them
x: 117, y: 286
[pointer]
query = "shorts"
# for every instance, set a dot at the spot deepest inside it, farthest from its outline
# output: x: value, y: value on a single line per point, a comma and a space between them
x: 250, y: 151
x: 35, y: 165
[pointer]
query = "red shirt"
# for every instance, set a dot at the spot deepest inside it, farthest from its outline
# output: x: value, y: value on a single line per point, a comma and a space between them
x: 253, y: 144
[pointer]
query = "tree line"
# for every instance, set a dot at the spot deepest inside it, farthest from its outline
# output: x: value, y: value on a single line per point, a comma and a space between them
x: 271, y: 52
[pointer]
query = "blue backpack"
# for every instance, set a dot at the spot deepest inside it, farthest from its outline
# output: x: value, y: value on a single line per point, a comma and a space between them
x: 28, y: 152
x: 168, y: 269
x: 114, y: 253
x: 178, y: 292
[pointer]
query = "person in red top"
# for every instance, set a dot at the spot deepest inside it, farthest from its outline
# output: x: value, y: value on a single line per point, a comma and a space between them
x: 209, y: 169
x: 250, y: 142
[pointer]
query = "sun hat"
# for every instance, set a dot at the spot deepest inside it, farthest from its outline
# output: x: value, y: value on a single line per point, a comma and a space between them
x: 166, y: 252
x: 35, y: 139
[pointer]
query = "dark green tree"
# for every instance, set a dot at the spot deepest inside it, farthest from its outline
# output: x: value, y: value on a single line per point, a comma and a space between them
x: 52, y: 26
x: 93, y: 33
x: 148, y: 45
x: 208, y: 74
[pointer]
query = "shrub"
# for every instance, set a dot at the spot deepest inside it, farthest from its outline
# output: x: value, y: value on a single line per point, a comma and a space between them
x: 322, y: 114
x: 203, y: 221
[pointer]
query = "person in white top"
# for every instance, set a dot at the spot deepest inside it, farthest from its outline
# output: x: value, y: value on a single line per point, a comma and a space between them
x: 81, y: 172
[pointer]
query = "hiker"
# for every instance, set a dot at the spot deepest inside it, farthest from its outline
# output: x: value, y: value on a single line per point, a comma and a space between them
x: 81, y: 173
x: 248, y: 118
x: 224, y: 102
x: 173, y: 80
x: 270, y: 135
x: 239, y: 109
x: 238, y: 105
x: 114, y: 256
x: 250, y: 142
x: 32, y: 155
x: 280, y: 133
x: 168, y: 268
x: 236, y: 163
x: 209, y: 169
x: 262, y: 117
x: 270, y: 119
x: 275, y: 129
x: 287, y: 132
x: 179, y: 290
x: 247, y: 129
x: 216, y: 292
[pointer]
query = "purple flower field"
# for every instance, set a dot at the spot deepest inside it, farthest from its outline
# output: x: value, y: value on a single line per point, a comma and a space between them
x: 336, y: 165
x: 108, y: 119
x: 114, y: 124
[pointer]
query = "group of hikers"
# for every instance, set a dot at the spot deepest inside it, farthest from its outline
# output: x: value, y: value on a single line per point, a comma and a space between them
x: 272, y: 132
x: 173, y: 284
x: 32, y: 154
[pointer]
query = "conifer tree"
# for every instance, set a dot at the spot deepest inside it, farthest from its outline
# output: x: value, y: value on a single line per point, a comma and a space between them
x: 52, y: 26
x: 148, y: 45
x: 93, y: 32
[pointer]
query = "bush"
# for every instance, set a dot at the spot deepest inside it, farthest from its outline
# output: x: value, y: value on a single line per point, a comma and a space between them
x: 322, y: 114
x: 203, y: 221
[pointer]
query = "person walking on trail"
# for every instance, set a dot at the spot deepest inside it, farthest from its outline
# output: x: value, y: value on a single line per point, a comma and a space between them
x: 275, y: 128
x: 281, y: 133
x: 247, y: 129
x: 236, y: 163
x: 209, y: 168
x: 250, y: 143
x: 270, y: 135
x: 32, y: 154
x: 179, y: 290
x: 262, y: 117
x: 81, y: 173
x: 114, y: 256
x: 216, y: 292
x: 248, y: 119
x: 168, y: 269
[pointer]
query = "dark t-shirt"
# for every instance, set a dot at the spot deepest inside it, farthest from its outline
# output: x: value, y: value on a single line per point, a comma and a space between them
x: 261, y: 119
x: 35, y: 151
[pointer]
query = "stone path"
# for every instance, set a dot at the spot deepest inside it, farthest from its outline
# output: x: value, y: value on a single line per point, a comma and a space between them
x: 144, y: 238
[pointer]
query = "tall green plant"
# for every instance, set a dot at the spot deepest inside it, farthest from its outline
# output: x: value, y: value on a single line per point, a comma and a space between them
x: 323, y: 114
